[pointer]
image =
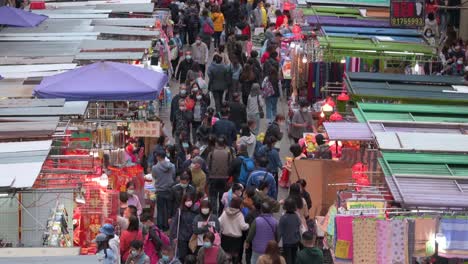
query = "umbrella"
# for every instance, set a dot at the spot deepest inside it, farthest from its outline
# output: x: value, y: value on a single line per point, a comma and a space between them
x: 103, y: 81
x: 10, y: 16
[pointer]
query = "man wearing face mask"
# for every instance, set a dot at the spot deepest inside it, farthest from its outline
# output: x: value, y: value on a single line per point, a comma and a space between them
x: 182, y: 121
x: 301, y: 122
x: 168, y: 256
x: 175, y: 104
x: 182, y: 188
x: 184, y: 66
x: 202, y: 102
x: 163, y: 174
x: 200, y: 53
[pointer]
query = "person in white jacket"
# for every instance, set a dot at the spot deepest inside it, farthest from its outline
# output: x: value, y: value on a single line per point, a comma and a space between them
x: 232, y: 224
x: 255, y: 106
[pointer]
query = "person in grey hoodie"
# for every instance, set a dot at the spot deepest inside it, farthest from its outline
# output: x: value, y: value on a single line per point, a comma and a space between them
x: 163, y: 174
x: 219, y: 81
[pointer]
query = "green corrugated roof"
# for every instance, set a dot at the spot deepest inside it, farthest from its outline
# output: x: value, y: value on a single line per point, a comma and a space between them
x: 411, y: 113
x: 426, y: 158
x: 424, y: 164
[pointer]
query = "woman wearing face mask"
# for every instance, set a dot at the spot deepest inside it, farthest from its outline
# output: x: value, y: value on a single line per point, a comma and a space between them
x: 209, y: 253
x: 205, y: 222
x: 186, y: 213
x: 183, y: 118
x: 201, y: 103
x: 301, y: 122
x: 168, y: 256
x: 104, y: 252
x: 132, y: 197
x: 235, y: 191
x: 183, y: 149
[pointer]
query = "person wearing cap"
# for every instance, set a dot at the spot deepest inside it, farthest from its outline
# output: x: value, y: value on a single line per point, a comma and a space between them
x: 113, y: 240
x: 323, y: 151
x: 163, y: 174
x: 104, y: 253
x: 310, y: 254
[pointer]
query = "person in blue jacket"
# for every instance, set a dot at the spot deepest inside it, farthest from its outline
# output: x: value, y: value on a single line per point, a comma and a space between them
x: 260, y: 175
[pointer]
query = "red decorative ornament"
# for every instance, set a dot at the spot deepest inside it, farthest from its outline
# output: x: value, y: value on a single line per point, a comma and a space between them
x: 289, y: 6
x: 343, y: 97
x: 336, y: 117
x: 330, y: 102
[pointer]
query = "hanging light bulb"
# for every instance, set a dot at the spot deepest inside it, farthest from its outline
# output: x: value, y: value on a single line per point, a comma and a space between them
x: 104, y: 180
x: 322, y: 114
x: 343, y: 61
x: 304, y: 59
x: 292, y: 45
x: 327, y: 108
x: 416, y: 67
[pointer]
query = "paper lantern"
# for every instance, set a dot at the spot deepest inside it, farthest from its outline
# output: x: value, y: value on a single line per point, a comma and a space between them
x: 327, y: 108
x: 343, y: 97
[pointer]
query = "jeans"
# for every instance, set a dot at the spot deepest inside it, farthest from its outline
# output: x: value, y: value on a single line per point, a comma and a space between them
x: 287, y: 87
x: 255, y: 117
x: 164, y: 209
x: 217, y: 38
x: 255, y: 257
x: 271, y: 107
x: 290, y: 252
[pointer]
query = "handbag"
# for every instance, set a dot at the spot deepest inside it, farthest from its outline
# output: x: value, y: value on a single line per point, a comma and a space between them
x: 260, y: 108
x: 267, y: 88
x: 193, y: 244
x: 217, y: 240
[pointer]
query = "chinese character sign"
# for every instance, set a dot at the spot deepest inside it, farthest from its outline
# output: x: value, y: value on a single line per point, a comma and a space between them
x: 145, y: 129
x: 407, y: 13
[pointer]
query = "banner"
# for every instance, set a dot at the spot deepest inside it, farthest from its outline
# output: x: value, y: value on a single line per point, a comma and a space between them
x: 368, y: 207
x: 145, y: 129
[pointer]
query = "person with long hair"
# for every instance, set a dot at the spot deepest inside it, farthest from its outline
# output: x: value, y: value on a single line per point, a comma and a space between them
x: 289, y: 231
x: 210, y: 253
x: 255, y: 105
x: 272, y: 255
x: 133, y: 232
x: 247, y: 79
x: 186, y: 214
x: 232, y: 224
x: 301, y: 204
x: 271, y: 92
x: 133, y: 198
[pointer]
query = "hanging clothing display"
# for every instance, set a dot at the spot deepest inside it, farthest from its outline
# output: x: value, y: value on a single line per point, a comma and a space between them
x: 344, y: 237
x: 424, y: 231
x: 365, y: 232
x: 384, y: 245
x: 399, y: 229
x: 453, y: 242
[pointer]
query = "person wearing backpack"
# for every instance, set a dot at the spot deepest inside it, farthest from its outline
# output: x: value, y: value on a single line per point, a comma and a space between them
x: 261, y: 176
x: 207, y: 28
x: 271, y: 92
x: 219, y: 161
x: 241, y: 166
x: 154, y: 239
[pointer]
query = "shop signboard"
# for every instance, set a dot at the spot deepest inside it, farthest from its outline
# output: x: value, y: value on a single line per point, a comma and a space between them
x: 407, y: 13
x: 366, y: 207
x: 145, y: 129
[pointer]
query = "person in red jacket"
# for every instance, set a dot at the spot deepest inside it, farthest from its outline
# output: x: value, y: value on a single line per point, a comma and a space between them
x: 280, y: 18
x: 133, y: 232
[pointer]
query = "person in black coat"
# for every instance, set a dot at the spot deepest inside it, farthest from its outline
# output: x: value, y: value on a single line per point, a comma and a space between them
x: 175, y: 105
x: 237, y: 111
x: 184, y: 66
x: 274, y: 129
x: 225, y: 127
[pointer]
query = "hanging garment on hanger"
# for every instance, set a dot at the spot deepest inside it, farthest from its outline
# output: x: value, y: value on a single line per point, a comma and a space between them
x: 384, y: 242
x: 454, y: 242
x: 365, y: 239
x: 411, y: 237
x: 399, y: 244
x: 424, y: 231
x: 344, y: 237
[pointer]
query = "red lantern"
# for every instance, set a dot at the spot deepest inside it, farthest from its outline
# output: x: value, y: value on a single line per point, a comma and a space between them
x: 330, y: 102
x: 289, y: 6
x: 343, y: 97
x: 335, y: 117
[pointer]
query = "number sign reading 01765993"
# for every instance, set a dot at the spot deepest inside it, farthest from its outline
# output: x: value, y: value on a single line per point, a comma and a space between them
x: 407, y: 13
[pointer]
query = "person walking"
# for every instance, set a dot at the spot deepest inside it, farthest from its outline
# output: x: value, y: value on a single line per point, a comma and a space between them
x: 104, y: 253
x: 269, y: 151
x: 113, y: 240
x: 310, y: 254
x: 132, y: 233
x: 207, y: 28
x: 247, y: 79
x: 184, y: 66
x: 234, y: 69
x: 232, y: 224
x: 218, y: 83
x: 206, y: 221
x: 200, y: 53
x: 182, y: 188
x: 248, y: 139
x: 202, y: 102
x: 133, y: 198
x: 225, y: 128
x: 153, y: 241
x: 289, y: 230
x: 271, y: 255
x: 274, y: 129
x: 237, y: 111
x: 182, y: 119
x: 182, y: 225
x: 262, y: 230
x: 219, y: 162
x: 163, y: 174
x: 271, y: 92
x: 210, y: 253
x: 218, y: 21
x: 261, y: 175
x: 255, y: 106
x: 192, y: 22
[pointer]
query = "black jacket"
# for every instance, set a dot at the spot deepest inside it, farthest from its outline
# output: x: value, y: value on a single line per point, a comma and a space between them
x: 174, y: 107
x: 182, y: 70
x: 227, y: 128
x: 274, y: 130
x: 178, y: 192
x: 237, y: 114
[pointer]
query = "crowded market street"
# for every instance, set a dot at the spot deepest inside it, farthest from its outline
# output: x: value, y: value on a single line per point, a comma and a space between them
x: 234, y: 132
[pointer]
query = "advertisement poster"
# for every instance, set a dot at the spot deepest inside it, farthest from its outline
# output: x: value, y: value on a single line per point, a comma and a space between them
x: 145, y: 129
x: 368, y: 207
